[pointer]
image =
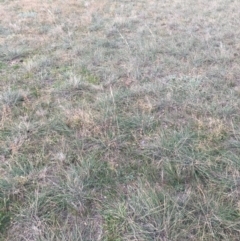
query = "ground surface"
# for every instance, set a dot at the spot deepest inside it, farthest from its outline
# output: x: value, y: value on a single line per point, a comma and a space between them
x: 119, y: 120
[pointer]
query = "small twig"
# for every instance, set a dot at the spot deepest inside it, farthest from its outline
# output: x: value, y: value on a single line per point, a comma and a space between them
x: 124, y: 39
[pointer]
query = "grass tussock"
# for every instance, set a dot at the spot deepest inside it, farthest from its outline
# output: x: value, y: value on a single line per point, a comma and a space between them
x: 119, y: 120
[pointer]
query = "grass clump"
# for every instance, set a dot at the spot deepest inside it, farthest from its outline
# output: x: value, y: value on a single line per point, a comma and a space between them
x: 11, y: 97
x: 5, y: 214
x: 119, y: 121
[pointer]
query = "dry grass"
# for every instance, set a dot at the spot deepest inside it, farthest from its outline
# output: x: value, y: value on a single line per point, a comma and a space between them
x: 119, y: 120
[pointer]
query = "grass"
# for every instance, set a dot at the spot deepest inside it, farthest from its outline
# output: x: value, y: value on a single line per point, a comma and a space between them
x: 119, y: 120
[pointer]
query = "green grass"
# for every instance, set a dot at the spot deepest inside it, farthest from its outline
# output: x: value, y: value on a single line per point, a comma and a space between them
x: 119, y: 120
